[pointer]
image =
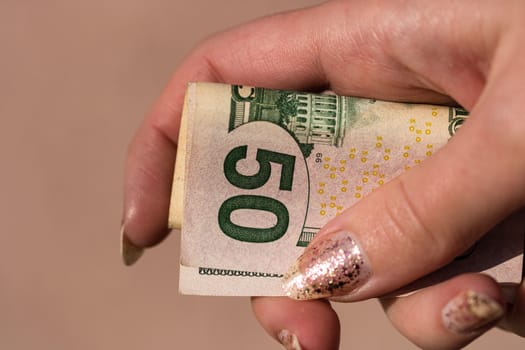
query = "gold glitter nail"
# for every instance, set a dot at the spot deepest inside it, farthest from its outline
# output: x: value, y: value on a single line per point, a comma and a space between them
x: 332, y: 266
x: 289, y: 340
x: 470, y: 311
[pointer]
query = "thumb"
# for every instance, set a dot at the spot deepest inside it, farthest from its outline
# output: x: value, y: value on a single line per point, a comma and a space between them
x: 424, y: 218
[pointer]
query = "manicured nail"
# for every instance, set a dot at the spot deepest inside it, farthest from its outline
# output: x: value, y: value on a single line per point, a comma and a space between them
x: 332, y: 266
x: 470, y: 311
x: 289, y: 340
x: 130, y: 253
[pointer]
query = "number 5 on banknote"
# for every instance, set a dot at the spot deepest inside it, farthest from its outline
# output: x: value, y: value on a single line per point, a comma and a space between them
x: 256, y: 202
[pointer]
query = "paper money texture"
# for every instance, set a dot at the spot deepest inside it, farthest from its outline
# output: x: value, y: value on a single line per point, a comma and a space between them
x: 260, y: 171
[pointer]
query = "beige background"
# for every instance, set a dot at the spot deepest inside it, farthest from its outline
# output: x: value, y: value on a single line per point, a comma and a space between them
x: 76, y: 78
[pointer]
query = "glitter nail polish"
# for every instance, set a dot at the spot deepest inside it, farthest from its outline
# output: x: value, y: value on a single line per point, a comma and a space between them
x: 289, y: 340
x: 469, y: 312
x: 331, y: 266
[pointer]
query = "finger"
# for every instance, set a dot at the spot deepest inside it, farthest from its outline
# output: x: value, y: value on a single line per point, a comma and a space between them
x: 448, y: 315
x: 294, y: 50
x: 226, y: 57
x: 424, y: 218
x: 514, y: 320
x: 312, y: 325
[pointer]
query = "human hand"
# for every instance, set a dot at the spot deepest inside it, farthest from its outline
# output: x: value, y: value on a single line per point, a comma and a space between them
x: 468, y: 52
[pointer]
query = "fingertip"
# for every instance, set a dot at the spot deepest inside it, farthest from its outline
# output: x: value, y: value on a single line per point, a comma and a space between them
x: 448, y: 315
x: 314, y: 323
x: 147, y: 186
x: 145, y: 228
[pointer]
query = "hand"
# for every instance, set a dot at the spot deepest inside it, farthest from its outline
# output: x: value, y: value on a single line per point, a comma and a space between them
x: 470, y: 52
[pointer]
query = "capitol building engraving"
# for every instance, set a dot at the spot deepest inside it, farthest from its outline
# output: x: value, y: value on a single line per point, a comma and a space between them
x: 310, y: 118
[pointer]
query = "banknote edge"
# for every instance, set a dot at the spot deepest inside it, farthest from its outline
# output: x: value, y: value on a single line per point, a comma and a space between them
x: 175, y: 216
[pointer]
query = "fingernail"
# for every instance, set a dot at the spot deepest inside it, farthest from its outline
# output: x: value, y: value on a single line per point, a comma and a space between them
x: 130, y: 253
x: 332, y: 266
x: 470, y: 311
x: 289, y: 340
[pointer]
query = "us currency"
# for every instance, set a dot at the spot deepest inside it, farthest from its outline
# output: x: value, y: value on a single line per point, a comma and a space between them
x: 260, y: 171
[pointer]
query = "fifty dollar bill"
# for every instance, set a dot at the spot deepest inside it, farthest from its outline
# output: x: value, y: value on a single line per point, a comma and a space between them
x: 260, y: 171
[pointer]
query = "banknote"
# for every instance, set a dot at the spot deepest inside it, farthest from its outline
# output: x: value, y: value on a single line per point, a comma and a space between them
x: 260, y: 171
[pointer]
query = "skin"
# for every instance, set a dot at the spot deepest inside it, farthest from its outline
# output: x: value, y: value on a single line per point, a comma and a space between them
x: 467, y: 52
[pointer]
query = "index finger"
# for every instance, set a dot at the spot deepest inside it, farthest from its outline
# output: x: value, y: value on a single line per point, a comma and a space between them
x: 228, y: 57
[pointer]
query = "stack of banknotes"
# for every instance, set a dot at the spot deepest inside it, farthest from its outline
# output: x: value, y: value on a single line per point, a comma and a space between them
x: 260, y: 171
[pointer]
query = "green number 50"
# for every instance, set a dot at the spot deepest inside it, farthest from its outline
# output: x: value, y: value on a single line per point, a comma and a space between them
x: 255, y: 202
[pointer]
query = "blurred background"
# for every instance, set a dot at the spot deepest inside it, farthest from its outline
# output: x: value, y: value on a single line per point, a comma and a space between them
x: 76, y: 78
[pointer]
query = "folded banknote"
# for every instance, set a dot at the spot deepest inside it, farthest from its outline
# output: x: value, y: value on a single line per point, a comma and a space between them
x: 260, y: 171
